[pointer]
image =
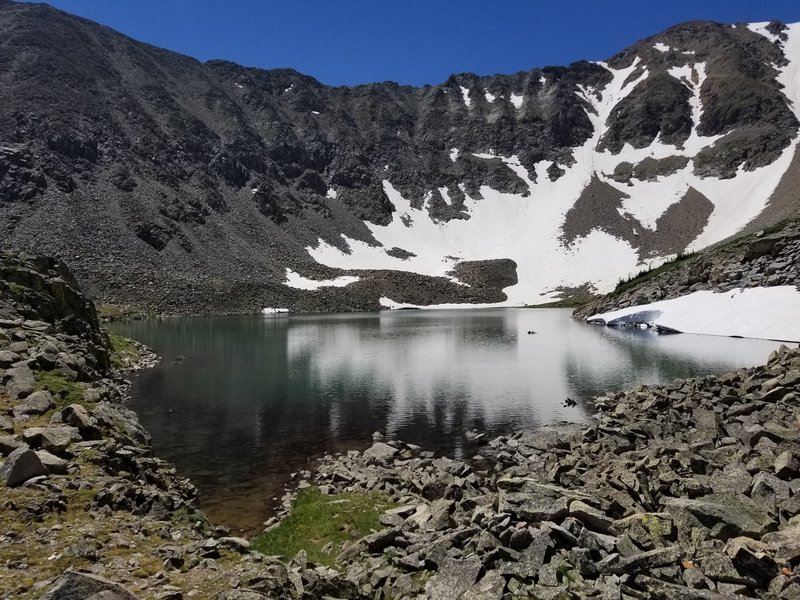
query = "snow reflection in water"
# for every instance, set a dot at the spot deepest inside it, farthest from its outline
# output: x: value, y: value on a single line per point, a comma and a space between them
x: 256, y: 397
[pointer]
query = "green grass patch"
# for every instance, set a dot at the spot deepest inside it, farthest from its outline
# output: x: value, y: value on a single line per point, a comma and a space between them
x: 316, y: 520
x: 64, y: 392
x: 115, y: 312
x: 124, y: 352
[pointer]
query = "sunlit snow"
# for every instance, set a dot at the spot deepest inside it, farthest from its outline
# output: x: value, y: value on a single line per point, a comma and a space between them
x: 465, y: 94
x: 764, y: 312
x: 299, y: 282
x: 528, y: 228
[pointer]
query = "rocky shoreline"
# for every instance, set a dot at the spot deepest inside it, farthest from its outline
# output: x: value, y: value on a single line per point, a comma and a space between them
x: 684, y: 490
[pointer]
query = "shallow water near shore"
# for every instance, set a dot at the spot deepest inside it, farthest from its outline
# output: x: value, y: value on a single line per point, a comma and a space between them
x: 240, y: 403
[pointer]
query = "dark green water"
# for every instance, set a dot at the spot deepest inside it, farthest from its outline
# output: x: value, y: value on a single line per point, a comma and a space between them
x: 256, y: 397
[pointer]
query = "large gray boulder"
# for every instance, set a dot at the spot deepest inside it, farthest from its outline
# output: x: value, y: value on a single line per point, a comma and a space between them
x: 22, y: 464
x: 52, y: 439
x: 19, y: 382
x: 81, y: 586
x: 53, y: 464
x: 381, y: 452
x: 730, y: 514
x: 37, y: 403
x: 9, y: 443
x: 453, y: 579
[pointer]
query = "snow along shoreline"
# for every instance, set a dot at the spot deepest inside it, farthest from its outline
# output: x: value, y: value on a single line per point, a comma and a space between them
x: 761, y: 312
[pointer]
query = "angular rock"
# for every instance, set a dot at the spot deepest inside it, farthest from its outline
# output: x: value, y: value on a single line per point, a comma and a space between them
x: 20, y: 466
x: 6, y: 425
x: 646, y: 561
x: 591, y: 517
x: 53, y: 464
x: 76, y: 415
x: 7, y: 358
x: 787, y: 465
x: 52, y: 439
x: 36, y: 403
x: 79, y: 586
x: 9, y: 443
x: 784, y: 544
x: 490, y: 587
x: 381, y: 452
x: 748, y: 556
x: 19, y: 382
x: 663, y: 590
x: 453, y: 579
x: 733, y: 514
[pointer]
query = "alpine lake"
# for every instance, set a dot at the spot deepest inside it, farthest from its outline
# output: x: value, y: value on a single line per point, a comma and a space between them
x: 240, y: 404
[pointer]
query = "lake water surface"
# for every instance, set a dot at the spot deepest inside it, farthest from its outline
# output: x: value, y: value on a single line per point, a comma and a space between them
x: 256, y: 397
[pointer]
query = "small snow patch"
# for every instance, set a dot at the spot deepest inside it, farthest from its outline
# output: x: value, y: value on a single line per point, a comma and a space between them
x: 489, y: 96
x: 445, y: 196
x: 239, y: 85
x: 299, y: 282
x: 454, y: 154
x: 314, y: 112
x: 331, y: 193
x: 392, y: 305
x: 465, y: 94
x: 516, y: 100
x: 661, y: 47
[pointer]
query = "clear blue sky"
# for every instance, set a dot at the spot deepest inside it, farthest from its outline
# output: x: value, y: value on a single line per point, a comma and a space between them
x: 345, y: 42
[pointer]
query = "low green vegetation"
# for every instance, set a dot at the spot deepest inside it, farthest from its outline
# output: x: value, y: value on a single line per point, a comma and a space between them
x: 631, y: 282
x: 124, y: 352
x: 317, y: 521
x: 114, y: 312
x: 64, y: 392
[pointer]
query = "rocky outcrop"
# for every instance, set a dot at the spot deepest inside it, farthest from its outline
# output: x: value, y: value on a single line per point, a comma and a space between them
x: 767, y: 258
x: 81, y: 488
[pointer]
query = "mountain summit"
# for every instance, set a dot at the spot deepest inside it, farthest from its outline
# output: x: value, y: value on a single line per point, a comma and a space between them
x: 188, y: 187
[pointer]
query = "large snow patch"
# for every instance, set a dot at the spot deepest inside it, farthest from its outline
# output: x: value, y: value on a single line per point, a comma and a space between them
x: 763, y: 312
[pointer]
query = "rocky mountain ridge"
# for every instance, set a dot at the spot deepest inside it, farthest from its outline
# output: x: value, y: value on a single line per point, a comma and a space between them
x: 169, y: 183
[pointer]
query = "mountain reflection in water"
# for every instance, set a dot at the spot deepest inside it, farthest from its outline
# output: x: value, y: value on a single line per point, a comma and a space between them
x: 256, y: 397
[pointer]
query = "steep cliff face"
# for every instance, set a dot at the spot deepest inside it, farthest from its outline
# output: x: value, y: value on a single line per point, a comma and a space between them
x: 187, y: 186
